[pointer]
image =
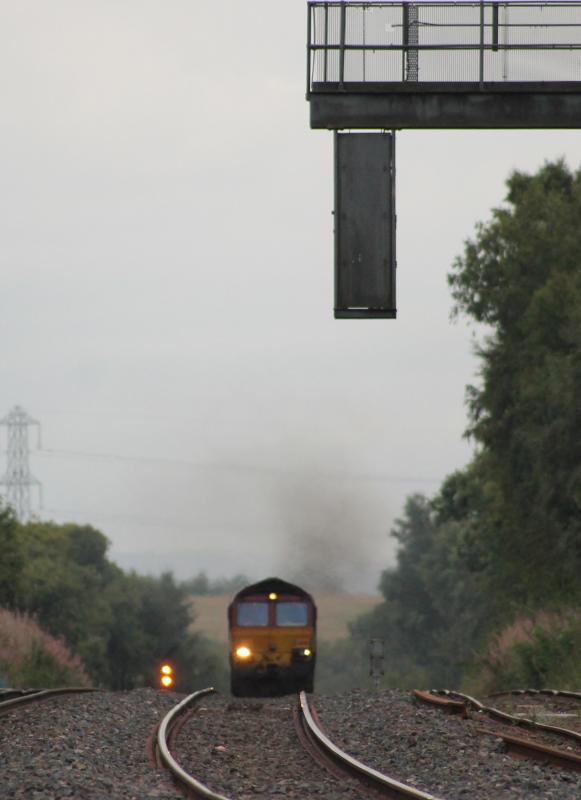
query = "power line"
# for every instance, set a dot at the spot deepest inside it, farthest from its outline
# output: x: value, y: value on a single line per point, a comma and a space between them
x: 150, y: 521
x: 235, y: 467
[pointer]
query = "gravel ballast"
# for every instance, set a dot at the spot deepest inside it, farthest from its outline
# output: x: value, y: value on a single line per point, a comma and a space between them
x: 250, y: 749
x: 95, y: 746
x: 441, y: 754
x: 89, y: 746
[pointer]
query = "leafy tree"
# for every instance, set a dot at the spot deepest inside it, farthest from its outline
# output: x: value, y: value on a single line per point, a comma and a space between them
x: 521, y: 276
x: 407, y: 619
x: 503, y: 536
x: 87, y: 547
x: 66, y: 596
x: 166, y: 617
x: 199, y: 584
x: 11, y: 560
x: 120, y: 624
x: 127, y: 645
x: 202, y: 585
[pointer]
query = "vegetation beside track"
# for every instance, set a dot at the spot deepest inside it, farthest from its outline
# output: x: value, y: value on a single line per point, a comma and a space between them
x: 119, y: 624
x: 486, y: 590
x: 31, y: 657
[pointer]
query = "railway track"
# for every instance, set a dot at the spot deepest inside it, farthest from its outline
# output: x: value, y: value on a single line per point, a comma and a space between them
x: 539, y: 693
x: 241, y: 748
x: 559, y: 707
x: 518, y: 746
x: 321, y: 745
x: 366, y: 781
x: 13, y: 698
x: 168, y: 729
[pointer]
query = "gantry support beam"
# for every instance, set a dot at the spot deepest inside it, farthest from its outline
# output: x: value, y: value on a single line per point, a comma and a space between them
x: 509, y: 107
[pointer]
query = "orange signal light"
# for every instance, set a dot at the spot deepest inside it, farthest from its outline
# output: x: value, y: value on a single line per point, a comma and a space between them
x: 166, y: 676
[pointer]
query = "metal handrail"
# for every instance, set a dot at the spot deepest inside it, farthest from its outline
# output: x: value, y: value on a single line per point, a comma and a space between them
x: 332, y: 29
x: 449, y: 3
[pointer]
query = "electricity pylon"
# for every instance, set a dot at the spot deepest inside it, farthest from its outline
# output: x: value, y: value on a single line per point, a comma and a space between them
x: 17, y: 480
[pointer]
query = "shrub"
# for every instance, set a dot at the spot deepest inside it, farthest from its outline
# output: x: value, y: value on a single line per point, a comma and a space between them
x: 31, y: 657
x: 537, y: 652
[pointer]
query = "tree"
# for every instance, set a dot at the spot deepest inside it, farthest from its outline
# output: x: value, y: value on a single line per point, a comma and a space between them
x: 502, y: 538
x: 521, y: 277
x: 121, y: 625
x: 87, y: 546
x: 407, y: 619
x: 11, y: 560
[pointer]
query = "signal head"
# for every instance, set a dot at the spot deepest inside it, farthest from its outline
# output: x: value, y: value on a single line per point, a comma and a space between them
x: 166, y: 675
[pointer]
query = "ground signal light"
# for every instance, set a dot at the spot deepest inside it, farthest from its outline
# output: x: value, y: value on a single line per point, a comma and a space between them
x: 166, y: 676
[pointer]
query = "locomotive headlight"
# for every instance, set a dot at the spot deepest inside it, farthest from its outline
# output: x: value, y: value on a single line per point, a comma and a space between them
x: 302, y: 654
x: 243, y: 652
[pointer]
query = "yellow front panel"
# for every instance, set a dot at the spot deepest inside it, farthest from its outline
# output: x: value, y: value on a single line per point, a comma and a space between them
x: 272, y: 646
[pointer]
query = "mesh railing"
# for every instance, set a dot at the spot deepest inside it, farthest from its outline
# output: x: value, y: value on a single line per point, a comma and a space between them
x: 432, y: 42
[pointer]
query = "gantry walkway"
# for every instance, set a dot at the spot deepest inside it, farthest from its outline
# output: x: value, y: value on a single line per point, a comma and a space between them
x: 387, y: 65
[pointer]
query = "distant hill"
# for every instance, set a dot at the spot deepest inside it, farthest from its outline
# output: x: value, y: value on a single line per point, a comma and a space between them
x: 335, y: 612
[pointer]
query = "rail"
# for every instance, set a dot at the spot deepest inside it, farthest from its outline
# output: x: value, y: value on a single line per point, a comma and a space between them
x: 510, y: 719
x: 515, y: 745
x: 163, y: 736
x: 540, y: 692
x: 359, y: 46
x: 11, y: 698
x: 388, y: 786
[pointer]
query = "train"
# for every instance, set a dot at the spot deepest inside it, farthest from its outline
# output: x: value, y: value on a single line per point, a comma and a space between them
x: 272, y: 639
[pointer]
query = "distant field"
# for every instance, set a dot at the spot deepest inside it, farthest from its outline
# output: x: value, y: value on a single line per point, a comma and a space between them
x: 335, y: 611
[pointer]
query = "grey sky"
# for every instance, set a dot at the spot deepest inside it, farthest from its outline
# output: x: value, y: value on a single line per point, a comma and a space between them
x: 167, y: 290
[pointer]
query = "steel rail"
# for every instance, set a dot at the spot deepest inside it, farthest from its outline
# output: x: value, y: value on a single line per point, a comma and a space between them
x: 163, y: 733
x: 28, y: 696
x: 444, y: 703
x: 390, y: 787
x: 527, y: 748
x: 9, y: 693
x: 510, y: 719
x: 545, y: 692
x: 516, y: 745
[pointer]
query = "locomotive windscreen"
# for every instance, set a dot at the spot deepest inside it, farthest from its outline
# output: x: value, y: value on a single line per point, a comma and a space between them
x: 292, y: 614
x: 253, y: 614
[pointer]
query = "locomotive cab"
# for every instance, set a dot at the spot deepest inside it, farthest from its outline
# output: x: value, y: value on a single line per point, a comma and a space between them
x: 272, y: 639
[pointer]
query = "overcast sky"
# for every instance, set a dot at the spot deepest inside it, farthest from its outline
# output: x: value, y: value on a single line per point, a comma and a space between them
x: 166, y: 307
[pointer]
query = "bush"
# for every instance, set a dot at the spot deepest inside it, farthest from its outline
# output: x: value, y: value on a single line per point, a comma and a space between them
x: 30, y: 657
x: 533, y: 652
x: 343, y: 665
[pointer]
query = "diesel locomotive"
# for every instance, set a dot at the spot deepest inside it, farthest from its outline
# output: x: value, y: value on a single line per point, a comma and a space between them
x: 272, y: 628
